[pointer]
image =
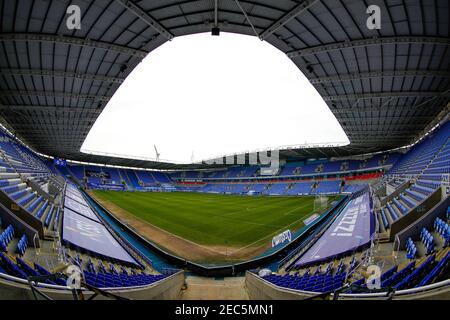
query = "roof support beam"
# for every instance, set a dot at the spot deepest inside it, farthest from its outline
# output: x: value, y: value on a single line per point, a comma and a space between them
x: 370, y: 108
x: 50, y: 38
x: 51, y: 128
x: 404, y: 132
x: 363, y: 139
x: 53, y: 94
x: 52, y: 122
x: 246, y: 17
x: 361, y: 127
x: 216, y: 13
x: 381, y: 95
x: 61, y: 74
x: 297, y: 10
x: 144, y: 16
x: 367, y: 42
x: 360, y: 121
x: 342, y: 111
x: 35, y: 108
x: 380, y: 74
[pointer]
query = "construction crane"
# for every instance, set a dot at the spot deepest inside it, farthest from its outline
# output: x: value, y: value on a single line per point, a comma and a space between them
x: 157, y: 153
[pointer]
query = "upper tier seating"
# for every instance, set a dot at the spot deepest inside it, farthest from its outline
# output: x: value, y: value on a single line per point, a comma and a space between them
x: 428, y: 163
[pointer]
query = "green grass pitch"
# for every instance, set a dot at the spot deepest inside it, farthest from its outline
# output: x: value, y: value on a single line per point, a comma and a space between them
x: 215, y: 219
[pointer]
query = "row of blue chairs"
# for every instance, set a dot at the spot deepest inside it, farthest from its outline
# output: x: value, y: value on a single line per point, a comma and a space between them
x: 111, y: 280
x: 22, y: 270
x: 427, y: 240
x: 318, y: 283
x: 392, y: 212
x: 417, y: 275
x: 22, y: 245
x: 384, y: 218
x: 48, y: 218
x: 430, y: 277
x: 34, y: 204
x: 56, y: 220
x: 353, y: 264
x: 41, y: 210
x: 6, y: 237
x: 38, y: 271
x: 9, y: 267
x: 411, y: 249
x: 386, y: 275
x: 443, y: 228
x: 90, y: 267
x: 398, y: 276
x: 42, y: 271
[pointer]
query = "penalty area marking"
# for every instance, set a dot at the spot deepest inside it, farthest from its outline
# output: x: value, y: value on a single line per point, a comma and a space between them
x: 275, y: 232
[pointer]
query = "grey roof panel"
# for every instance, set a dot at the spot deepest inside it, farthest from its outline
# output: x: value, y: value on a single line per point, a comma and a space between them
x: 55, y: 82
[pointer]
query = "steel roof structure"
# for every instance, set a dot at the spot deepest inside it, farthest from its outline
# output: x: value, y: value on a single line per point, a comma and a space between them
x: 385, y: 86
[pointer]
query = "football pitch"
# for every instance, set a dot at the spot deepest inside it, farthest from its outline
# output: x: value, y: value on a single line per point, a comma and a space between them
x: 215, y: 219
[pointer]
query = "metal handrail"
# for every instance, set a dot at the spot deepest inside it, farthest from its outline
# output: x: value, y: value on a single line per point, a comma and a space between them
x: 396, y: 248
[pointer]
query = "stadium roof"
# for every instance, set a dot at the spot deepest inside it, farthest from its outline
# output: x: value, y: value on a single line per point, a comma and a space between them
x: 385, y: 86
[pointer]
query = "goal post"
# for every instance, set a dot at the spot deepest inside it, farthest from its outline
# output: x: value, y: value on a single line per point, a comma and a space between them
x: 320, y: 203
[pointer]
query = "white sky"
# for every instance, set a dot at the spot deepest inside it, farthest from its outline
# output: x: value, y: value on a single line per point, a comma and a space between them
x: 212, y: 96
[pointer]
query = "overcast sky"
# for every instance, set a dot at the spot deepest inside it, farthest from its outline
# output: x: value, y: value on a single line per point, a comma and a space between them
x: 212, y: 96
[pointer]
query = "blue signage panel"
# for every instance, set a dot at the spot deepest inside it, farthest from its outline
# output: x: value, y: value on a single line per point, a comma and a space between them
x: 93, y: 236
x: 77, y: 196
x: 80, y: 209
x: 351, y: 230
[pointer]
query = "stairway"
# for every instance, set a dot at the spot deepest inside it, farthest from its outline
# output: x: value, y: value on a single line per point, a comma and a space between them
x: 201, y: 288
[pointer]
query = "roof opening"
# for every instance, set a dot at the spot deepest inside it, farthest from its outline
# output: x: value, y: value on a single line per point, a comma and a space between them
x: 199, y: 97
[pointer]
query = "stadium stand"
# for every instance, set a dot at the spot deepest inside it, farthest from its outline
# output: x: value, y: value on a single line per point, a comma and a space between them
x: 418, y: 166
x: 18, y: 168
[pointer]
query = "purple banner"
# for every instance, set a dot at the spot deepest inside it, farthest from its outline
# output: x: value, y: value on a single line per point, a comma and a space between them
x: 72, y: 188
x: 80, y: 209
x: 350, y: 230
x: 77, y: 197
x: 92, y: 236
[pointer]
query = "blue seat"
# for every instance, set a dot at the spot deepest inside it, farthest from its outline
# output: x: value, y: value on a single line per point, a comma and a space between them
x: 436, y: 271
x: 49, y: 216
x: 384, y: 219
x: 41, y: 210
x: 416, y: 275
x: 22, y: 245
x: 6, y: 237
x: 11, y: 267
x: 26, y: 199
x: 34, y: 204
